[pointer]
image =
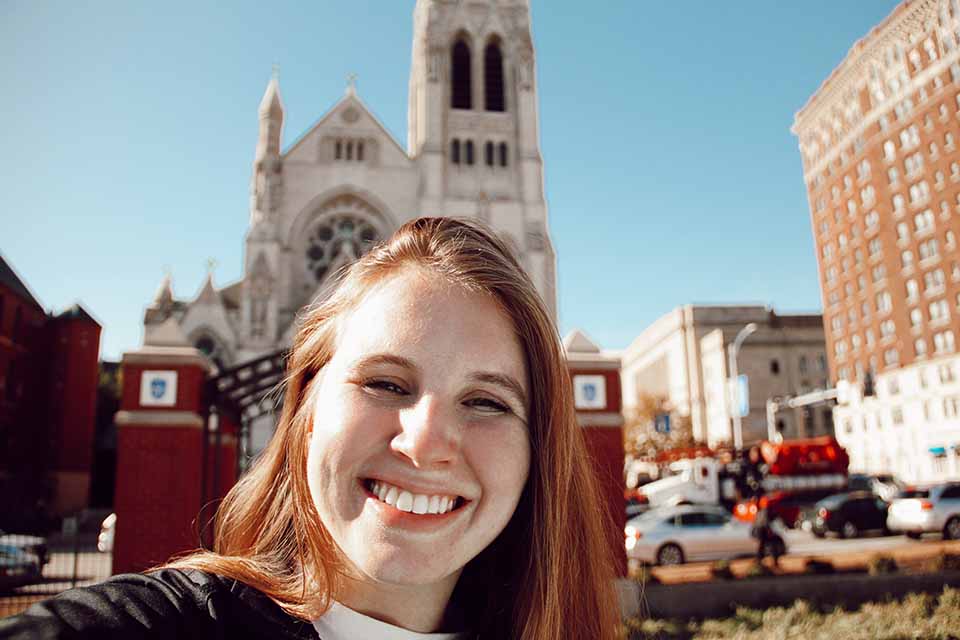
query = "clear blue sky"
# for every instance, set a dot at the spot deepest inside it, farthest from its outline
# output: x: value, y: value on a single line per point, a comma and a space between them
x: 127, y: 132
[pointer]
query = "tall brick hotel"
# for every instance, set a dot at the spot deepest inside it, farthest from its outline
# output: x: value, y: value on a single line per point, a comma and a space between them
x: 879, y: 145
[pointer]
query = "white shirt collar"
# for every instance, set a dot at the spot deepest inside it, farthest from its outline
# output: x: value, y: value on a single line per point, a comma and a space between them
x: 343, y: 623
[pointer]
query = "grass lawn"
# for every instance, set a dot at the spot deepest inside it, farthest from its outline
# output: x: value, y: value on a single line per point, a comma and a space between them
x: 917, y: 616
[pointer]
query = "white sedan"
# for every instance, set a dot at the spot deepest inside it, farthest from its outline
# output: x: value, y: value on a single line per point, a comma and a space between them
x: 674, y: 535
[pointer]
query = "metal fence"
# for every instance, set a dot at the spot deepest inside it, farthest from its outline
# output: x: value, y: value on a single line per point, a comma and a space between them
x: 33, y: 568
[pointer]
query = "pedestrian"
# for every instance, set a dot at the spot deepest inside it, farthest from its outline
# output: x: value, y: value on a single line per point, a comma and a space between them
x: 766, y: 537
x: 427, y: 478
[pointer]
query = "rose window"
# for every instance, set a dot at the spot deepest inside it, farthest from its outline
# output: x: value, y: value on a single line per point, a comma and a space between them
x: 343, y: 235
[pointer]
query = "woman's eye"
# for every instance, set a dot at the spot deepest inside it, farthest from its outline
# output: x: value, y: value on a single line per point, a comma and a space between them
x: 488, y: 405
x: 386, y: 386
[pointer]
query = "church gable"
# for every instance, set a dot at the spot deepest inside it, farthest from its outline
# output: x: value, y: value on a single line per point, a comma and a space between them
x: 349, y: 133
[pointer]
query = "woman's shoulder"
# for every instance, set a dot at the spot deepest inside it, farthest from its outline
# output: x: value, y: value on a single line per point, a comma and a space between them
x: 163, y: 604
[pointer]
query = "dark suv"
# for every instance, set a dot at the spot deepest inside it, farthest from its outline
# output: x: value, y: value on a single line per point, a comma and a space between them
x: 848, y: 514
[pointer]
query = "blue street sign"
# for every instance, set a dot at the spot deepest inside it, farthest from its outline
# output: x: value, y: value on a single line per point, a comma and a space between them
x: 661, y: 423
x: 743, y: 396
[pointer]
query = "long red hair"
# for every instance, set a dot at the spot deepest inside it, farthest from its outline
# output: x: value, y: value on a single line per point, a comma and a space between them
x: 549, y: 574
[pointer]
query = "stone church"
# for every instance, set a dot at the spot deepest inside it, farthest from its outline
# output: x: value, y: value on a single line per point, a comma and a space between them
x: 472, y: 150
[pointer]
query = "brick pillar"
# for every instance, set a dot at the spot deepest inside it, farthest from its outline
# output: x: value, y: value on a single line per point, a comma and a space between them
x: 596, y: 384
x: 159, y: 455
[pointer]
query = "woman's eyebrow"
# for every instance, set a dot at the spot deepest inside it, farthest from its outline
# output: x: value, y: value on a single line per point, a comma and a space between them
x: 502, y: 380
x: 384, y: 358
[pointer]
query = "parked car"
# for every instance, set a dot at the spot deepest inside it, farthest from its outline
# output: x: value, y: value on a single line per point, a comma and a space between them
x: 685, y: 533
x: 884, y: 485
x: 847, y: 514
x: 107, y: 529
x: 31, y: 544
x: 18, y: 566
x: 919, y: 511
x: 787, y: 506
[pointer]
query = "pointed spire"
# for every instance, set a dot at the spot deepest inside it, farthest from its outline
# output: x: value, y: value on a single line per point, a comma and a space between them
x: 351, y: 84
x: 270, y: 106
x: 208, y: 294
x: 164, y: 295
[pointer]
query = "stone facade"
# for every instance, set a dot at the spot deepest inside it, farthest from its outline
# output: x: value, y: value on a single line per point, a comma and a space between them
x: 347, y: 183
x: 878, y: 141
x: 683, y: 357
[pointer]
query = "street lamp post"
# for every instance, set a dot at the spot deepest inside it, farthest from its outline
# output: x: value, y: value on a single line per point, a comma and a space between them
x: 732, y: 355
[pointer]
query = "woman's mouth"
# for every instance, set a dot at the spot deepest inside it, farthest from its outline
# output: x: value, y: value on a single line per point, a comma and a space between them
x: 410, y: 502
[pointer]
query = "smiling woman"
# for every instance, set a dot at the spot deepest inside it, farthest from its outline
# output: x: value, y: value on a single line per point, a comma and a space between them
x: 427, y: 477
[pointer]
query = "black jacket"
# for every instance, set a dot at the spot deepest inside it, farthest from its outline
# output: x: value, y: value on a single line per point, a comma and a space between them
x: 164, y: 604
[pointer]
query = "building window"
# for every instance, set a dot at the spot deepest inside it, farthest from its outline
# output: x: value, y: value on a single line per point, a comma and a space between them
x: 896, y: 415
x: 775, y: 367
x: 360, y: 151
x: 913, y: 289
x: 338, y: 150
x: 469, y: 152
x: 946, y: 374
x: 887, y: 328
x: 455, y: 151
x: 884, y: 302
x: 891, y: 357
x: 503, y: 154
x: 944, y: 342
x: 488, y: 153
x: 923, y: 221
x: 950, y: 407
x: 939, y: 311
x: 928, y: 249
x: 920, y: 347
x: 933, y: 281
x: 906, y: 259
x: 916, y: 318
x: 903, y: 232
x: 802, y: 364
x: 493, y: 77
x: 461, y: 92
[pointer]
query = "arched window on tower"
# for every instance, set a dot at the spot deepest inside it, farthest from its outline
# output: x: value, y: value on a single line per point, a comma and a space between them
x: 469, y: 152
x: 461, y: 94
x: 455, y: 151
x: 488, y: 154
x: 503, y: 154
x: 493, y: 77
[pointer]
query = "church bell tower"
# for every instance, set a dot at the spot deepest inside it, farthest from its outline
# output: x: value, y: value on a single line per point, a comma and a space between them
x: 473, y: 123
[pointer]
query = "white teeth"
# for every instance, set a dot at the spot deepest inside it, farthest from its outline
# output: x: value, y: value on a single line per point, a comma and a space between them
x: 405, y: 501
x: 420, y: 504
x: 391, y: 497
x: 409, y: 502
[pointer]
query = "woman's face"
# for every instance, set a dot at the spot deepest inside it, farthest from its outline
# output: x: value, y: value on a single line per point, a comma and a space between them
x: 419, y: 448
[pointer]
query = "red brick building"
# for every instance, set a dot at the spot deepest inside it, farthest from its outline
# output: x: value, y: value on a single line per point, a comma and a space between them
x: 878, y: 141
x: 48, y: 391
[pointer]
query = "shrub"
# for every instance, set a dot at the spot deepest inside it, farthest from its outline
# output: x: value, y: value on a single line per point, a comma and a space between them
x: 814, y: 566
x: 758, y: 570
x: 882, y: 565
x: 943, y: 562
x: 721, y: 570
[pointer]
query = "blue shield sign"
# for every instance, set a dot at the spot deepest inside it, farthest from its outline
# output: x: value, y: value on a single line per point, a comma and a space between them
x: 158, y: 388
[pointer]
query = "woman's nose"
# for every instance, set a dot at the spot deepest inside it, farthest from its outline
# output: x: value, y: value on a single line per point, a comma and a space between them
x: 429, y: 434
